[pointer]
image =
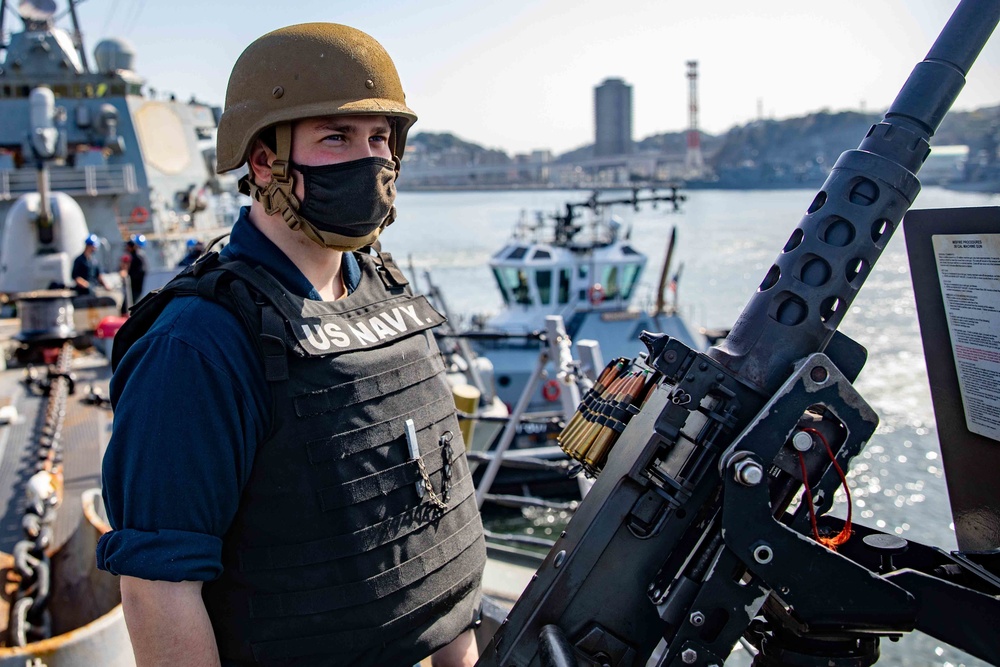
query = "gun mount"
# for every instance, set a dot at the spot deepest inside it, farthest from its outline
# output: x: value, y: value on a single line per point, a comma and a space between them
x: 691, y: 537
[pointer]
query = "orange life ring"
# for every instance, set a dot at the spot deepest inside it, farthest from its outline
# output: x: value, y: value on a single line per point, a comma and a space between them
x: 138, y: 216
x: 551, y: 391
x: 596, y: 294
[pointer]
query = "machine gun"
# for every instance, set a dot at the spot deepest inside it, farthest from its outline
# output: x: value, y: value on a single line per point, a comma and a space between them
x: 689, y: 539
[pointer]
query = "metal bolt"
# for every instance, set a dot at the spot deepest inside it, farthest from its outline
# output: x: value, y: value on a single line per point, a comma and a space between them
x: 697, y: 619
x: 670, y: 356
x: 369, y: 84
x: 277, y: 92
x: 802, y: 441
x: 749, y: 472
x: 689, y: 656
x: 763, y: 554
x: 819, y: 375
x: 559, y: 559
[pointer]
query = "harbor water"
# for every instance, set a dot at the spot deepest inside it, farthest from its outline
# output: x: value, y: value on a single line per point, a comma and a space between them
x: 726, y: 241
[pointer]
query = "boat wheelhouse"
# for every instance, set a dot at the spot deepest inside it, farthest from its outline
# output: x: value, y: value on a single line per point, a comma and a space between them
x: 582, y: 265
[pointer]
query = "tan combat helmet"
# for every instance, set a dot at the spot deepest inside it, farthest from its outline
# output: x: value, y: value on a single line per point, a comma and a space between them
x: 308, y: 70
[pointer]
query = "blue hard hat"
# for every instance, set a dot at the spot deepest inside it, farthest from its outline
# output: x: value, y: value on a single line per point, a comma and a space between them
x: 93, y: 240
x: 192, y: 243
x: 138, y: 239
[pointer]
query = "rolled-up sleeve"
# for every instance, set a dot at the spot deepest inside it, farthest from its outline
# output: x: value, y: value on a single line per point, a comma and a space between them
x: 191, y: 404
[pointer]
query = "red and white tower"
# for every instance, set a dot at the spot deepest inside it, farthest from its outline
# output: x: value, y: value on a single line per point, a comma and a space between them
x: 694, y: 162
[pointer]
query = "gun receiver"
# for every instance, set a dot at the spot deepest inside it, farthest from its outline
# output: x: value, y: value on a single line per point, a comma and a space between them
x: 687, y: 541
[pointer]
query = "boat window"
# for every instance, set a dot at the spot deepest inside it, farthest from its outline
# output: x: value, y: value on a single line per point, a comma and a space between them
x: 517, y: 282
x: 582, y: 272
x: 542, y: 254
x: 630, y: 276
x: 543, y: 279
x: 610, y: 282
x: 564, y: 276
x: 517, y: 253
x: 503, y: 289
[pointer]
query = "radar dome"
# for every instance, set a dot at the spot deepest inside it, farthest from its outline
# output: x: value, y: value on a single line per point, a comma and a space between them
x: 113, y: 55
x: 37, y: 10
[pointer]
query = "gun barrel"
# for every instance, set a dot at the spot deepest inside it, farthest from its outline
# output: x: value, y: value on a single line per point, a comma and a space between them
x: 810, y: 286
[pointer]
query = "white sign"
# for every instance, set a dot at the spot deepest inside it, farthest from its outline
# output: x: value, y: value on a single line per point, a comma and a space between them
x: 969, y: 272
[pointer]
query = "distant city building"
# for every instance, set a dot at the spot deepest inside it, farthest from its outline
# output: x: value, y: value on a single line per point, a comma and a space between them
x: 612, y: 118
x: 694, y: 161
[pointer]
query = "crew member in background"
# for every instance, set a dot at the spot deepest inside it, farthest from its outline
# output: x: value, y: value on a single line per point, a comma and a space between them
x: 86, y: 271
x: 194, y: 250
x: 136, y: 265
x: 314, y: 505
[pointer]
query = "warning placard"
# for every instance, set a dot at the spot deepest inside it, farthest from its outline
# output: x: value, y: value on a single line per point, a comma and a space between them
x: 969, y: 274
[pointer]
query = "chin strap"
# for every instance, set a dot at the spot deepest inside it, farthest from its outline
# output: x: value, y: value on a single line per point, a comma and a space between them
x: 277, y: 195
x: 278, y: 198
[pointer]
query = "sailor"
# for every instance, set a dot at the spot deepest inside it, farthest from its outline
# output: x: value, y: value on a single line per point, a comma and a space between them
x: 86, y: 271
x: 136, y: 265
x: 286, y: 479
x: 195, y: 248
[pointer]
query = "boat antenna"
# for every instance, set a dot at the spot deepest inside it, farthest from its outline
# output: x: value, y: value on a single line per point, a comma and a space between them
x: 661, y: 300
x: 3, y: 14
x: 78, y: 36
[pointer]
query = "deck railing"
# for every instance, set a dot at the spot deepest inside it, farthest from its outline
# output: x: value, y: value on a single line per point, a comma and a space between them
x: 90, y: 181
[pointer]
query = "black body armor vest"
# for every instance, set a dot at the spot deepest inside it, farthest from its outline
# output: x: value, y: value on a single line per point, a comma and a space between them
x: 346, y: 549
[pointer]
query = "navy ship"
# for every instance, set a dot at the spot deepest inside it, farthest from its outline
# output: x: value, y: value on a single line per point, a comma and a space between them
x: 109, y: 157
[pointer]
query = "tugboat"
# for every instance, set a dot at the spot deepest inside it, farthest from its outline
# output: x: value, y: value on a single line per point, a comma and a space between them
x: 584, y: 268
x: 580, y: 267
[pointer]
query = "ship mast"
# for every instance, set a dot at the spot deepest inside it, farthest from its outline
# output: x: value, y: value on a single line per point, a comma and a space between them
x: 78, y: 36
x: 3, y: 14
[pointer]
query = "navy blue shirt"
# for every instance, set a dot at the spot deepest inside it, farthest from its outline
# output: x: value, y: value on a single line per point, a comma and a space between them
x: 191, y: 404
x: 86, y: 268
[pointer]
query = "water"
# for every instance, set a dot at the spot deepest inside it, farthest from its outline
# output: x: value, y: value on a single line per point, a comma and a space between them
x: 727, y: 241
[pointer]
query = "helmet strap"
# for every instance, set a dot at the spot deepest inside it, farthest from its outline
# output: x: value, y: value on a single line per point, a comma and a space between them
x: 277, y: 197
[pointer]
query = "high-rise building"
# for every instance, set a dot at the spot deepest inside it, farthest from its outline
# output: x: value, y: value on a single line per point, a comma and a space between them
x: 612, y: 118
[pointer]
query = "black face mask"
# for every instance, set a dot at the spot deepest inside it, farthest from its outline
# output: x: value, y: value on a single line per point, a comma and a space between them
x: 347, y: 204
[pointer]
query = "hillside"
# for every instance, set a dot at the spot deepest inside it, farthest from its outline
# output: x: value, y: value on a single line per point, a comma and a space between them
x: 764, y: 153
x: 822, y: 135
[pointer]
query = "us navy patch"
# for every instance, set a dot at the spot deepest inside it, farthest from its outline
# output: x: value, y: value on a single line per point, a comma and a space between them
x: 330, y: 333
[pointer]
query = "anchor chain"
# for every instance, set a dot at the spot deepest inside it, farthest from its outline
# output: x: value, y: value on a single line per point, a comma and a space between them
x: 30, y: 617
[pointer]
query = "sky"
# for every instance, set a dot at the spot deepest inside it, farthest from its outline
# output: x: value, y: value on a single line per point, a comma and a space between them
x: 519, y: 75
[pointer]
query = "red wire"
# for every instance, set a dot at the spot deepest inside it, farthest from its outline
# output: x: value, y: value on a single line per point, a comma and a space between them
x: 845, y: 532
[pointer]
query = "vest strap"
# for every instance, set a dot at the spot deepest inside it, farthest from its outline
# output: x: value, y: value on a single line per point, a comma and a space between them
x: 366, y: 389
x: 272, y: 344
x: 390, y: 273
x: 414, y: 519
x: 379, y: 484
x: 387, y: 582
x: 352, y: 640
x: 208, y: 284
x: 342, y: 445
